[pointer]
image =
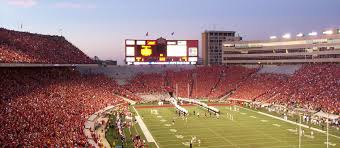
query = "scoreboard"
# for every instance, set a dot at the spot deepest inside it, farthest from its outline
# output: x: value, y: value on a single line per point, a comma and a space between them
x: 161, y: 51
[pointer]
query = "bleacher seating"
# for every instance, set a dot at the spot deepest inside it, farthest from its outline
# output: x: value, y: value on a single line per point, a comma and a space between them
x: 24, y: 47
x: 48, y: 106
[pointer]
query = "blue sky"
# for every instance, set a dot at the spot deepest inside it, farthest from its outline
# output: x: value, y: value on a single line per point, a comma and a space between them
x: 99, y: 27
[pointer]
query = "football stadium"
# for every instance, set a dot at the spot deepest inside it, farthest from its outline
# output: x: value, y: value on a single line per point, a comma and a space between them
x: 283, y: 92
x: 62, y: 98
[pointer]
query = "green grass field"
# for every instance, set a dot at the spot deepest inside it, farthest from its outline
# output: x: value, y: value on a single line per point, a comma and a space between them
x: 248, y: 129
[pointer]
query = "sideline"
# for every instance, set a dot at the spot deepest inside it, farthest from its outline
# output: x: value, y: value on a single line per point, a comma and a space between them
x: 90, y: 126
x: 292, y: 122
x: 145, y: 129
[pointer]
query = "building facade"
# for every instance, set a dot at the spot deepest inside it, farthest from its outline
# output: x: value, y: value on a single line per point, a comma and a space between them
x: 305, y: 49
x: 212, y: 45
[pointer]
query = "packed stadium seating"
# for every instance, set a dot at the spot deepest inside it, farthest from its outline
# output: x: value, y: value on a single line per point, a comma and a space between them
x: 205, y: 79
x: 150, y: 83
x: 231, y: 77
x: 314, y: 86
x: 48, y: 106
x: 180, y: 79
x: 24, y: 47
x: 256, y: 85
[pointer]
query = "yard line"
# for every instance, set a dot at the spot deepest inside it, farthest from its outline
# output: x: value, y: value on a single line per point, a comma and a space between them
x: 305, y: 126
x: 223, y: 138
x: 144, y: 128
x: 252, y: 116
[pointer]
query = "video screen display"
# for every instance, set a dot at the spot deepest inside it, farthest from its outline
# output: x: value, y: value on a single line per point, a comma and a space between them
x: 161, y: 51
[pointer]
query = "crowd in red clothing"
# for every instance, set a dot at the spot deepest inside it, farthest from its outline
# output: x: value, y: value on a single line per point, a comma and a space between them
x: 24, y: 47
x: 231, y: 76
x: 314, y: 86
x: 203, y: 82
x: 150, y: 83
x: 182, y: 80
x: 205, y: 79
x: 48, y: 106
x: 256, y: 85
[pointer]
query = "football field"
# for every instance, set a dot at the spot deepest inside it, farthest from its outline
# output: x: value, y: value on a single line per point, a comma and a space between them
x: 242, y: 128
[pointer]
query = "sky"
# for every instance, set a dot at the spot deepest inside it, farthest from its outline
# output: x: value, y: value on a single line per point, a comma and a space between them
x: 100, y: 27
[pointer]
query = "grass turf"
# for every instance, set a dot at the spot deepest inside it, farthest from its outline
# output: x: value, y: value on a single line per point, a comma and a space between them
x: 247, y: 130
x: 112, y: 137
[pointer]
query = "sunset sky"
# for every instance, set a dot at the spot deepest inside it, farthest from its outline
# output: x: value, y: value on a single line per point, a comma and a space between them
x: 99, y: 27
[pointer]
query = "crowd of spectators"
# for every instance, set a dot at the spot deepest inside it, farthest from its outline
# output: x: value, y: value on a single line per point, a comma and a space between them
x: 180, y: 81
x: 256, y: 85
x: 154, y: 97
x: 205, y: 79
x: 48, y: 106
x: 150, y: 83
x: 314, y: 86
x: 24, y: 47
x: 230, y: 78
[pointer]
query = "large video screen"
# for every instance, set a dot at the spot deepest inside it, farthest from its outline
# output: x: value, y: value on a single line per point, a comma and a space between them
x: 176, y: 51
x: 161, y: 51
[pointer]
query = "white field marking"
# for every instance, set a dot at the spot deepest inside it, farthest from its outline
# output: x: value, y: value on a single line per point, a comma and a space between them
x: 211, y: 143
x: 243, y: 113
x: 144, y: 128
x: 159, y: 116
x: 167, y: 124
x: 162, y: 120
x: 179, y: 136
x: 205, y: 129
x: 218, y: 135
x: 292, y: 130
x: 277, y: 125
x: 264, y: 120
x: 173, y: 130
x: 207, y: 140
x: 309, y: 136
x: 266, y: 136
x: 186, y: 143
x: 302, y: 125
x: 252, y: 116
x: 216, y: 126
x: 165, y: 138
x: 330, y: 143
x: 154, y: 111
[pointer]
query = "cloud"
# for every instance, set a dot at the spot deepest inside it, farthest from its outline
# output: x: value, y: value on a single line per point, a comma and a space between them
x: 22, y: 3
x: 73, y: 5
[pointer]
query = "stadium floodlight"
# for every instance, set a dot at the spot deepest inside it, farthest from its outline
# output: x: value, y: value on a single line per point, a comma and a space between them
x: 286, y: 36
x: 300, y: 35
x: 313, y: 34
x: 328, y: 32
x: 273, y: 37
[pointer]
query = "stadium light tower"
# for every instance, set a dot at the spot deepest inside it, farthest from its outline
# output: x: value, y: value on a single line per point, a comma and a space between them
x: 273, y: 37
x: 286, y: 36
x: 328, y: 32
x: 313, y: 33
x: 300, y: 35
